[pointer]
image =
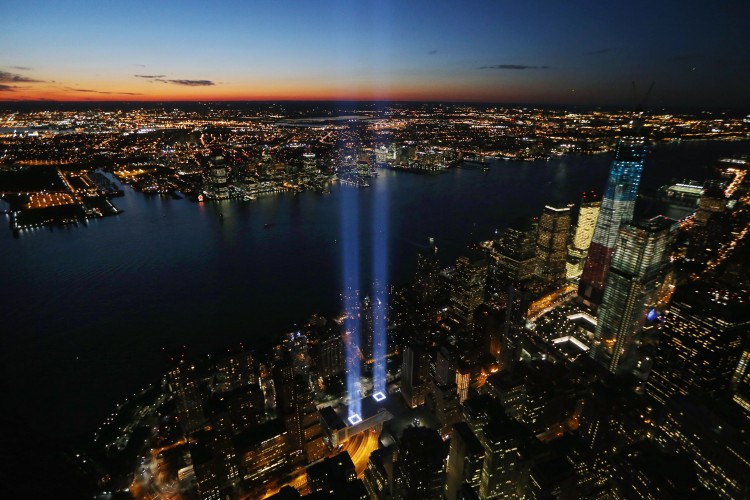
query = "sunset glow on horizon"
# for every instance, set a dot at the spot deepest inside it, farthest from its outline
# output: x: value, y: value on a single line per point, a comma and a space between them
x: 332, y: 50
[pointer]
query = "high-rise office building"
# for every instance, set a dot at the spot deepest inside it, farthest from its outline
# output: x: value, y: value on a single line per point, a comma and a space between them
x: 468, y: 287
x: 701, y: 343
x: 327, y: 352
x: 379, y: 473
x: 712, y: 436
x: 426, y: 289
x: 218, y: 184
x: 712, y: 201
x: 519, y: 300
x: 513, y: 256
x: 501, y: 467
x: 419, y: 470
x: 415, y: 368
x: 465, y: 458
x: 552, y: 245
x: 331, y: 473
x: 617, y: 207
x: 236, y: 370
x: 632, y: 288
x: 588, y: 212
x: 185, y: 385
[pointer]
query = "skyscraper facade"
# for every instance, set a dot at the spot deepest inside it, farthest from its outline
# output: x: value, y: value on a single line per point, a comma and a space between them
x: 701, y: 343
x: 617, y: 207
x: 513, y: 256
x: 588, y: 212
x: 184, y: 382
x: 468, y: 288
x: 552, y: 245
x: 414, y: 372
x: 632, y: 287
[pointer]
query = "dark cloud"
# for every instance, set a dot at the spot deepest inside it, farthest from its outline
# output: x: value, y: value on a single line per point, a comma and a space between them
x: 91, y: 91
x: 141, y: 65
x: 21, y: 68
x: 433, y: 52
x: 513, y: 66
x: 7, y: 88
x: 188, y: 83
x: 12, y: 77
x: 600, y: 51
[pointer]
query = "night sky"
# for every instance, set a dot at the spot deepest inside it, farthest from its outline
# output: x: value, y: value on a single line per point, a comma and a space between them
x: 553, y: 52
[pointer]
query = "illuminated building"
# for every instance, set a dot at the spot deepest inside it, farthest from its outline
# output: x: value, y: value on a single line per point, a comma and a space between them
x: 465, y: 457
x: 326, y: 475
x: 513, y: 256
x: 339, y: 424
x: 552, y: 477
x: 207, y: 479
x: 445, y: 365
x: 741, y: 380
x: 501, y: 467
x: 641, y: 470
x: 236, y: 370
x: 184, y: 383
x: 516, y: 313
x: 617, y: 207
x: 218, y: 184
x: 426, y: 288
x: 468, y: 287
x: 713, y: 436
x: 443, y: 400
x: 463, y: 382
x: 415, y: 368
x: 327, y: 353
x: 701, y: 343
x: 379, y: 474
x: 588, y: 212
x: 509, y: 388
x: 265, y: 453
x: 309, y: 163
x: 552, y: 245
x: 244, y: 405
x: 420, y: 469
x: 712, y: 201
x: 632, y: 288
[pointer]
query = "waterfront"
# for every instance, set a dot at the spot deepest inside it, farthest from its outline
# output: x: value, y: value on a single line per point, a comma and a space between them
x: 89, y: 308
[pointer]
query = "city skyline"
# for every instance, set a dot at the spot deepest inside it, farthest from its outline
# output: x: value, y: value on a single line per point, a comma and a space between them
x: 488, y: 52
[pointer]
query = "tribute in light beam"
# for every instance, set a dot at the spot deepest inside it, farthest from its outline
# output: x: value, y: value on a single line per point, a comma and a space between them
x: 348, y: 215
x: 380, y: 288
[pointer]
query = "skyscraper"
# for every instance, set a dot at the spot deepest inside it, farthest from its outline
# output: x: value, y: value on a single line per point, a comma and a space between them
x: 468, y: 288
x: 552, y: 245
x: 426, y: 289
x: 184, y: 383
x: 701, y: 342
x: 516, y: 313
x: 631, y: 288
x: 588, y: 212
x: 617, y: 207
x: 465, y: 458
x: 414, y: 372
x: 420, y: 471
x: 513, y: 256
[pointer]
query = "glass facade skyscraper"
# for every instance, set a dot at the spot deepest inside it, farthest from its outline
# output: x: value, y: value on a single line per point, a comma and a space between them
x: 632, y: 287
x: 617, y: 207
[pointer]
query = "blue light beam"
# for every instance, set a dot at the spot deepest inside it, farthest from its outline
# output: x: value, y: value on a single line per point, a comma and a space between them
x: 380, y: 288
x: 349, y: 223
